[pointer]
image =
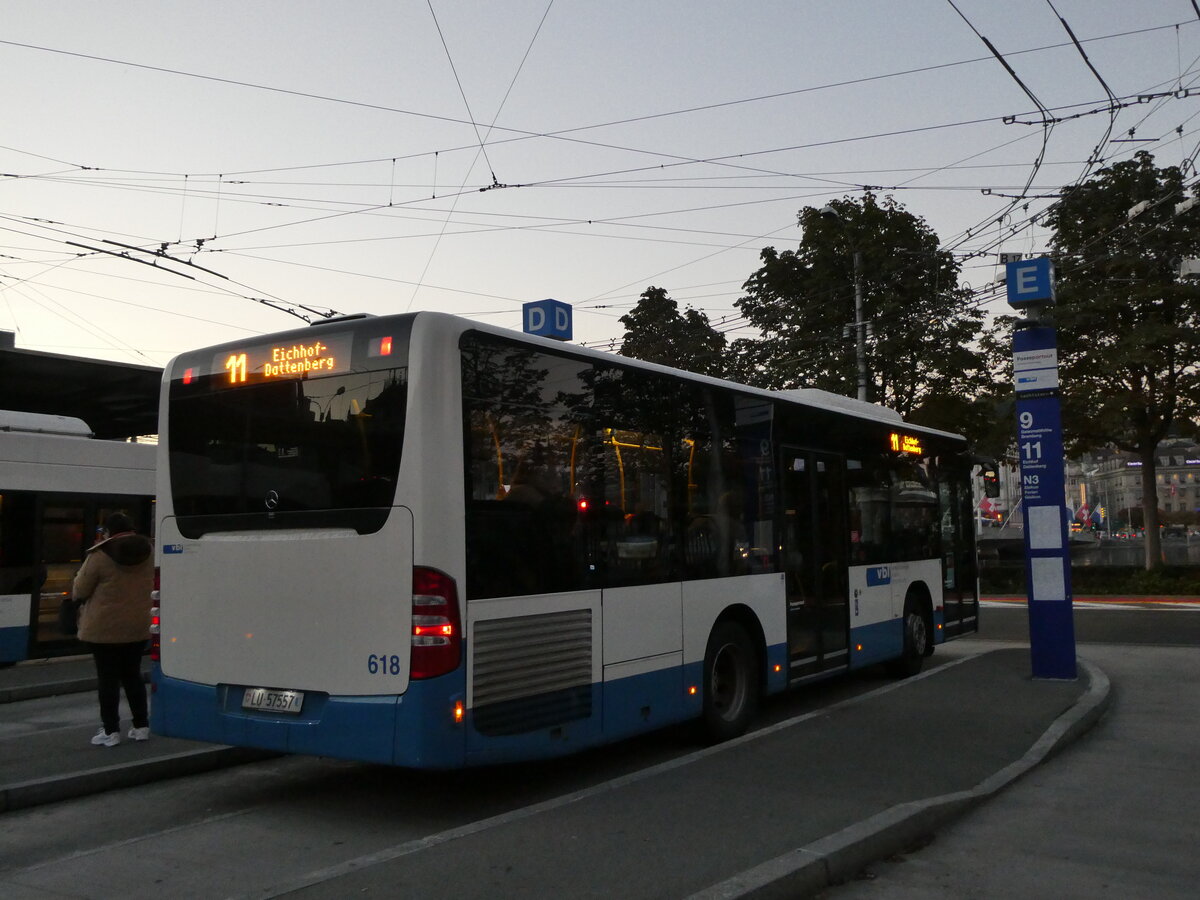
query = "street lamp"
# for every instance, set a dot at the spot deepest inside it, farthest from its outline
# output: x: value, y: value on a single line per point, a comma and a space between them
x: 860, y: 326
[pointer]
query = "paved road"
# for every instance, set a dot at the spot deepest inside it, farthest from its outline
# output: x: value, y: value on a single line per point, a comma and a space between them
x: 796, y: 800
x: 1115, y: 815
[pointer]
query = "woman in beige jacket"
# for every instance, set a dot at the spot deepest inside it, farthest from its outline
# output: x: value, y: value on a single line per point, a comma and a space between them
x: 115, y: 582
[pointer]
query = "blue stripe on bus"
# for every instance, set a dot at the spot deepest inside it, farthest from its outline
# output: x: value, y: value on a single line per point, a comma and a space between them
x: 14, y: 643
x: 418, y: 730
x: 880, y: 642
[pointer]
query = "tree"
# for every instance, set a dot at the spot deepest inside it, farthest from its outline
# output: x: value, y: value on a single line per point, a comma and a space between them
x: 1128, y: 323
x: 657, y: 332
x: 920, y: 355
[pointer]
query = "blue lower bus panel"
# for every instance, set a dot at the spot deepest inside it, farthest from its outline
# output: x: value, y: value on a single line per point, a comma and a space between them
x: 416, y: 730
x: 419, y: 729
x: 14, y: 643
x: 880, y: 642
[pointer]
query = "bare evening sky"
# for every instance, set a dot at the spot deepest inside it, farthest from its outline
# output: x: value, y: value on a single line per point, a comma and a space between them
x: 470, y: 156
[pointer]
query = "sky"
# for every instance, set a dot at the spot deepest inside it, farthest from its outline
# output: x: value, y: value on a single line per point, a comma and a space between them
x: 174, y: 175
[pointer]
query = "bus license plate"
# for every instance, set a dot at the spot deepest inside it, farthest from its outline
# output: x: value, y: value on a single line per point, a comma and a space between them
x: 273, y: 701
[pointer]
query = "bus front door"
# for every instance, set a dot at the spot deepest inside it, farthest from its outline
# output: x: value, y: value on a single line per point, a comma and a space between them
x: 814, y: 561
x: 959, y: 576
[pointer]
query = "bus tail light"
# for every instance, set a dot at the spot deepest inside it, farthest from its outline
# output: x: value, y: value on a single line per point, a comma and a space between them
x: 436, y: 625
x: 155, y: 620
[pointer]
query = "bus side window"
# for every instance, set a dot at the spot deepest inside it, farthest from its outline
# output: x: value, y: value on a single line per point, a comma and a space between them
x: 914, y: 507
x: 870, y: 518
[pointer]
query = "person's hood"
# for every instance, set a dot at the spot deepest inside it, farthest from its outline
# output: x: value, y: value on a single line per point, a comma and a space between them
x: 128, y: 549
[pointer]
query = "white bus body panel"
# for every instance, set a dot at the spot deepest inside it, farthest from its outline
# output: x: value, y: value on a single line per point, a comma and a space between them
x: 704, y: 601
x: 877, y: 593
x: 14, y: 610
x: 306, y: 618
x: 75, y: 465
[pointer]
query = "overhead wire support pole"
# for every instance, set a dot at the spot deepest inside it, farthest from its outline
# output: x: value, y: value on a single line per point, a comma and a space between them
x: 860, y: 325
x: 860, y: 328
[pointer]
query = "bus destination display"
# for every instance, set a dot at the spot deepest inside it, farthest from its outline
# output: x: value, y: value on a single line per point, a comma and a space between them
x: 905, y: 443
x: 281, y: 361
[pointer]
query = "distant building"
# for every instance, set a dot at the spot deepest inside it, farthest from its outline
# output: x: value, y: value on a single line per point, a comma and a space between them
x: 1114, y: 480
x: 1102, y: 486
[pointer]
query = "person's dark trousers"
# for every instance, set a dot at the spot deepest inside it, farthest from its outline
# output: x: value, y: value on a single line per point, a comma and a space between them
x: 120, y: 666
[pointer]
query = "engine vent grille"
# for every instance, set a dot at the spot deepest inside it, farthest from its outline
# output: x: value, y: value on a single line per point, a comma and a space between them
x: 531, y: 672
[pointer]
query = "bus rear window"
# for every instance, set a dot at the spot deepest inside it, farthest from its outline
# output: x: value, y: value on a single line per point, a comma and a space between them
x: 293, y: 453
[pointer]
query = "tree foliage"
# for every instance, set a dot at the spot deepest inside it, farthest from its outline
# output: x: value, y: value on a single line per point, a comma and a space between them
x: 1128, y: 323
x: 921, y: 357
x: 656, y: 331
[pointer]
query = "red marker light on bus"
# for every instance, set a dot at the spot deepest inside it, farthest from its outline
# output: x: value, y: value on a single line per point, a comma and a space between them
x: 436, y: 638
x: 187, y: 376
x: 156, y: 615
x: 385, y: 346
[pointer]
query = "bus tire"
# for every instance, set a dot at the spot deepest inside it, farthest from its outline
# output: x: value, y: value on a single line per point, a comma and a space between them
x: 731, y: 682
x: 917, y: 641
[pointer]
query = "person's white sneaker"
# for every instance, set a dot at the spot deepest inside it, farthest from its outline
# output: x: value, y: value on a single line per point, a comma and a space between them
x: 139, y: 734
x: 104, y: 738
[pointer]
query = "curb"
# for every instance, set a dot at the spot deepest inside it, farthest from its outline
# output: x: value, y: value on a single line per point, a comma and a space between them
x: 42, y: 689
x: 838, y: 857
x: 46, y: 689
x: 36, y: 792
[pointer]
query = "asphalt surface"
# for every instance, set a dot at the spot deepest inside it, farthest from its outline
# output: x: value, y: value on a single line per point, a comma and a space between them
x: 783, y: 812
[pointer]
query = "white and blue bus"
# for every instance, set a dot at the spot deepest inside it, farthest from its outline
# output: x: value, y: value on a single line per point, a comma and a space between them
x: 57, y: 485
x: 423, y: 541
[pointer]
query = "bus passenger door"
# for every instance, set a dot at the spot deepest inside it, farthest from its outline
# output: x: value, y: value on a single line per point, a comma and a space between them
x: 958, y: 563
x: 814, y: 561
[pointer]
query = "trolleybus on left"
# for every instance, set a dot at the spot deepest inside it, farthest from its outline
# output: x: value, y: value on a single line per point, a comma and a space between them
x: 57, y: 484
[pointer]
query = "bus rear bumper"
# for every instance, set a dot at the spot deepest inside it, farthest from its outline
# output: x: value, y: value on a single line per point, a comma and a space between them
x: 392, y: 730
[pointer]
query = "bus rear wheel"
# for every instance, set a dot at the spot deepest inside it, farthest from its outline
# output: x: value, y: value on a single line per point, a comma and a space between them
x: 917, y: 639
x: 731, y: 684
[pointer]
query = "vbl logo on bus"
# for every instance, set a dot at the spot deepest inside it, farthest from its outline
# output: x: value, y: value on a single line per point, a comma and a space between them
x: 879, y: 575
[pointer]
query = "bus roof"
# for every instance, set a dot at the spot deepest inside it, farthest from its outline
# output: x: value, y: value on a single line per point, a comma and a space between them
x: 811, y: 397
x: 43, y: 423
x: 454, y: 325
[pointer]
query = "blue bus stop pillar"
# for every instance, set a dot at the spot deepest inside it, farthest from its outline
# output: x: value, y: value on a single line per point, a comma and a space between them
x: 1030, y: 286
x: 1047, y: 548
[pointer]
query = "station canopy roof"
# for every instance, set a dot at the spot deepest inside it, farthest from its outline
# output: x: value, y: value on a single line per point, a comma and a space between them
x: 117, y: 400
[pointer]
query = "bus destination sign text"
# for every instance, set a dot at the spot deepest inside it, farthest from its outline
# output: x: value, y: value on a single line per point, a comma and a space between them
x: 905, y: 443
x: 283, y: 361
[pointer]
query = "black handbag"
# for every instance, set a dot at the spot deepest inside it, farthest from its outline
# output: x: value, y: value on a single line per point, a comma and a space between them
x: 68, y: 615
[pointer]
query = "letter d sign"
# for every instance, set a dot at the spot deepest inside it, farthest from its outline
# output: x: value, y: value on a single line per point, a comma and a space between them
x: 548, y: 318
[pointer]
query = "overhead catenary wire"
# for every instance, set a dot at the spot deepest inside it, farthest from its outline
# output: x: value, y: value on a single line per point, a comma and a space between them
x: 643, y: 220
